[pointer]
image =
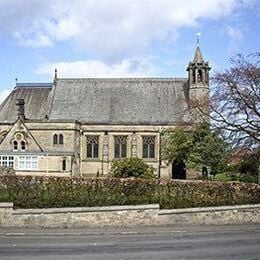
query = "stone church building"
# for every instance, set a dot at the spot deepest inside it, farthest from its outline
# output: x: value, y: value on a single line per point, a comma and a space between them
x: 78, y: 126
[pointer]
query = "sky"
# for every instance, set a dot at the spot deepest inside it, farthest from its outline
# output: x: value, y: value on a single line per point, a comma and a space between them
x: 120, y: 38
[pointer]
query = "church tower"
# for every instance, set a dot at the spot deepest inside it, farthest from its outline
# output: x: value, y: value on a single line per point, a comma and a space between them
x: 198, y: 82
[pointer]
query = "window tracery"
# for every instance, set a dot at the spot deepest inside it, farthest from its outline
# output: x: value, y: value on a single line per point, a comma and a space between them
x: 148, y: 146
x: 120, y: 146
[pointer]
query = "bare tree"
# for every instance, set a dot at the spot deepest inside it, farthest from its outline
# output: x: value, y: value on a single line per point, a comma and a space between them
x: 235, y: 101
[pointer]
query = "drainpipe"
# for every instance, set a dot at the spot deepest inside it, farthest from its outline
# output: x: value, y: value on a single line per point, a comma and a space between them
x: 160, y: 154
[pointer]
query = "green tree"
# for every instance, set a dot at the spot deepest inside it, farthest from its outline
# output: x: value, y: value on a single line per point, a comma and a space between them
x: 208, y: 149
x: 131, y: 167
x: 177, y: 145
x: 198, y: 148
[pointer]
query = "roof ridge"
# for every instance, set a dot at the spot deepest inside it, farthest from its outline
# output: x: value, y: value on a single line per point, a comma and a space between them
x: 126, y: 79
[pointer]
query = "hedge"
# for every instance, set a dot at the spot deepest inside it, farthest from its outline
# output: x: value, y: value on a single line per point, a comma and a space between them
x: 48, y: 192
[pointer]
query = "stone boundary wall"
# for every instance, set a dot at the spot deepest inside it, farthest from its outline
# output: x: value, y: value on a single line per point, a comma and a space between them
x: 125, y: 216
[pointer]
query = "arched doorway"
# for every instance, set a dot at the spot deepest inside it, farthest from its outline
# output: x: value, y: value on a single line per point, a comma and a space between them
x: 178, y: 170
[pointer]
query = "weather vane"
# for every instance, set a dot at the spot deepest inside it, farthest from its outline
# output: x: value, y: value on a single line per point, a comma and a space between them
x: 198, y: 38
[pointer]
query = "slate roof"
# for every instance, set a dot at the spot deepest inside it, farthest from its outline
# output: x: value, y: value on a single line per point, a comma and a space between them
x: 120, y: 101
x: 37, y: 99
x: 101, y: 101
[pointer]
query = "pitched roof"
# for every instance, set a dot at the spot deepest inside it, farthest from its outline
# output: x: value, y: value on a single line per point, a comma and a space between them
x: 37, y: 99
x: 102, y: 101
x: 120, y: 101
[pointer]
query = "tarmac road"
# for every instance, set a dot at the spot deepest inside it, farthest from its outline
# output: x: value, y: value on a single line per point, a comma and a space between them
x: 167, y: 242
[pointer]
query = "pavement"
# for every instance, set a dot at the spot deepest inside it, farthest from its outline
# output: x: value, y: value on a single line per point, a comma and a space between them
x: 151, y: 242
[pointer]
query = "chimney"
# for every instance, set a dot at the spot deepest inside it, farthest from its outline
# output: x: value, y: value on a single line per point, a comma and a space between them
x: 20, y: 103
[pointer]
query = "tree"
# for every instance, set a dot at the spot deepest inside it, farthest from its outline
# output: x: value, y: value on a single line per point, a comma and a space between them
x: 235, y: 102
x: 208, y: 149
x: 177, y: 145
x: 131, y: 167
x: 198, y: 148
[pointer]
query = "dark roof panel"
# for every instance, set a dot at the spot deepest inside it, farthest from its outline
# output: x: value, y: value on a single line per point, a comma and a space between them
x: 120, y: 101
x: 37, y: 102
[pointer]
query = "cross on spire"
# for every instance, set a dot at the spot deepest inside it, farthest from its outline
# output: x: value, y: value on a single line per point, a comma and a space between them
x: 198, y: 38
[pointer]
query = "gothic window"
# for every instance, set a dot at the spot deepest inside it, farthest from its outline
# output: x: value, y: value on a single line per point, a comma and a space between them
x: 92, y: 146
x: 55, y: 139
x: 199, y: 75
x: 193, y: 76
x: 120, y: 146
x: 60, y: 139
x: 148, y: 146
x: 15, y: 145
x: 23, y: 146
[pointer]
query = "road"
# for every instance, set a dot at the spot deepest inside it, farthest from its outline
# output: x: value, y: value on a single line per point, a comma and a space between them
x: 171, y: 242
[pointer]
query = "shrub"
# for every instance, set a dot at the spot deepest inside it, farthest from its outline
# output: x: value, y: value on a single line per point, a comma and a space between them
x: 48, y: 192
x: 223, y: 177
x: 7, y: 171
x: 131, y: 167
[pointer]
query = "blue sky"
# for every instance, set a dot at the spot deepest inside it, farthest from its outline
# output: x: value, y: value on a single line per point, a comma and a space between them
x: 120, y: 38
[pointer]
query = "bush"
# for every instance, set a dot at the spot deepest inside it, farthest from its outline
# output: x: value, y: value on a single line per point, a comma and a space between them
x: 7, y: 171
x: 48, y: 192
x: 131, y: 167
x: 236, y: 177
x: 223, y: 177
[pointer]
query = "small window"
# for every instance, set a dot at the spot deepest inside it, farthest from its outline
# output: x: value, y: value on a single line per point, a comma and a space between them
x: 60, y: 139
x: 64, y: 164
x: 92, y: 146
x: 6, y: 161
x: 120, y: 146
x: 55, y: 139
x: 148, y: 146
x: 15, y: 145
x: 23, y: 146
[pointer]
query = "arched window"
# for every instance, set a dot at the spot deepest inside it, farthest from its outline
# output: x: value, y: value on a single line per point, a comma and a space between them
x: 55, y: 139
x: 193, y: 76
x: 92, y: 146
x: 120, y: 146
x: 23, y: 146
x: 148, y: 146
x: 199, y: 75
x: 15, y: 145
x: 60, y: 139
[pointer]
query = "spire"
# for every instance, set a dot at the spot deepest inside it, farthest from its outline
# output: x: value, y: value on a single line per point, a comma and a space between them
x: 198, y: 55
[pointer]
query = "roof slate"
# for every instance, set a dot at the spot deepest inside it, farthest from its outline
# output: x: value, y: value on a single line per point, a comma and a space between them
x: 120, y: 101
x: 37, y: 102
x: 102, y: 101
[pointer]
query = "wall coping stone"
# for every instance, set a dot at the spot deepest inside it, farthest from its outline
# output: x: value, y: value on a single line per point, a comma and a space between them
x: 6, y: 205
x: 207, y: 209
x: 87, y: 209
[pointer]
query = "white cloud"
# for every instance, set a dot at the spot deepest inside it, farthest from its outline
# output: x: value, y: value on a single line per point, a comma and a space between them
x: 235, y: 36
x: 38, y: 40
x: 234, y: 33
x: 111, y: 29
x: 95, y: 68
x: 3, y: 94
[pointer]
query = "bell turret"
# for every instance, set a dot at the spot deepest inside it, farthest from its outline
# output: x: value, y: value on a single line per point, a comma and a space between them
x: 198, y: 80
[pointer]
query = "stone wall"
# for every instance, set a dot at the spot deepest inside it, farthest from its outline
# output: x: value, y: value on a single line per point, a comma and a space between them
x: 125, y: 216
